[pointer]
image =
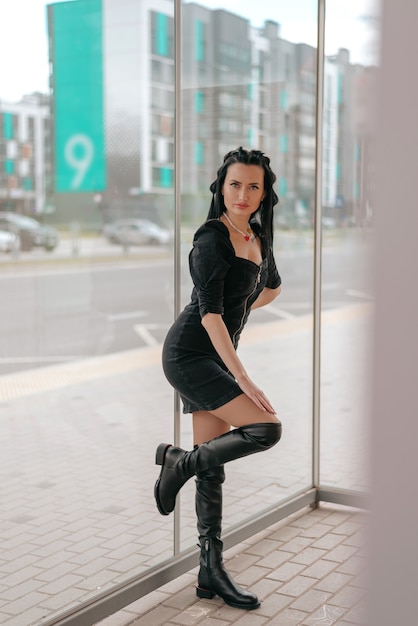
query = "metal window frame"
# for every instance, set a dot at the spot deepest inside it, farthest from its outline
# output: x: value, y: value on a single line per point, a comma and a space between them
x: 102, y: 605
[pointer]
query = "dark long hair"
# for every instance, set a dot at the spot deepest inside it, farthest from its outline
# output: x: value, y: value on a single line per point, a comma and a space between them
x: 264, y: 214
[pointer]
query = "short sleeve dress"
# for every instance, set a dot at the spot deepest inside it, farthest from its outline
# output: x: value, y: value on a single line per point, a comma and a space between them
x: 225, y: 284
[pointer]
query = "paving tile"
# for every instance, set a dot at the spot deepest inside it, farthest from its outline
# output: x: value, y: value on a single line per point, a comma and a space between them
x: 329, y: 541
x: 13, y: 593
x: 358, y: 539
x: 242, y: 562
x: 264, y: 587
x: 347, y: 597
x: 275, y: 559
x: 333, y: 582
x: 62, y: 599
x: 325, y: 615
x: 320, y: 568
x: 264, y: 547
x: 341, y: 553
x: 251, y: 575
x: 286, y: 571
x: 24, y: 604
x: 273, y: 604
x: 297, y: 544
x: 181, y: 599
x: 251, y: 619
x: 351, y: 526
x: 354, y: 565
x: 317, y: 530
x: 30, y: 616
x: 194, y: 614
x: 357, y: 614
x: 310, y: 600
x: 308, y: 556
x: 288, y: 617
x: 157, y: 617
x: 297, y: 586
x: 211, y: 621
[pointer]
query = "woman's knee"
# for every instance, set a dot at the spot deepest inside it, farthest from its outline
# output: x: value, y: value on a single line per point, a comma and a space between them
x: 266, y: 434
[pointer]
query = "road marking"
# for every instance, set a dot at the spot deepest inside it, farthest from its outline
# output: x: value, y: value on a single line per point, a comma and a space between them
x: 143, y: 331
x: 330, y: 286
x: 39, y: 359
x: 118, y: 317
x: 359, y: 294
x: 285, y: 315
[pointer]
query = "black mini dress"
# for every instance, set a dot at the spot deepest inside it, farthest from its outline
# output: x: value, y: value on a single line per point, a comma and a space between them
x: 223, y: 283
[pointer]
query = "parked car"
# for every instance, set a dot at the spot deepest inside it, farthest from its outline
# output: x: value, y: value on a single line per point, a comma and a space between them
x: 29, y: 231
x: 9, y: 242
x: 136, y: 232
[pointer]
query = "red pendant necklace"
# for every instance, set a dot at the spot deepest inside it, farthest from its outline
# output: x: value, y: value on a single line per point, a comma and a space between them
x: 248, y: 236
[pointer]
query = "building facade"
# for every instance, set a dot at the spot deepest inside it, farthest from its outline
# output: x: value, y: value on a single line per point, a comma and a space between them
x: 25, y: 158
x: 240, y: 85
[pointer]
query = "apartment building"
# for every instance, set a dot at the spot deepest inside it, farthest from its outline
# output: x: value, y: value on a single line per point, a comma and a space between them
x: 112, y: 79
x: 25, y: 158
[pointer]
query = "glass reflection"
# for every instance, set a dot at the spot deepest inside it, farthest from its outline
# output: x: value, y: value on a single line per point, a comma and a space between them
x: 86, y: 266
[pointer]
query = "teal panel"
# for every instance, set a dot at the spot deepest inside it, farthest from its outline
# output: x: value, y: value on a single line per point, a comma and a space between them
x: 161, y: 34
x: 199, y: 41
x: 166, y: 177
x: 283, y: 144
x: 80, y: 161
x: 250, y: 136
x: 250, y: 91
x: 199, y: 153
x: 198, y: 101
x: 355, y: 191
x: 338, y: 171
x: 9, y: 166
x: 283, y: 99
x: 8, y: 125
x: 356, y: 152
x: 340, y: 89
x: 282, y: 187
x: 27, y: 184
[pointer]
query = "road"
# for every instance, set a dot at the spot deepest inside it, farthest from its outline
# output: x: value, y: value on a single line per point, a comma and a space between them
x: 63, y: 313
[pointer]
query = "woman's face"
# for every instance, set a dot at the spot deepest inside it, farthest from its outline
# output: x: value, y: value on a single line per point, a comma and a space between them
x: 243, y: 189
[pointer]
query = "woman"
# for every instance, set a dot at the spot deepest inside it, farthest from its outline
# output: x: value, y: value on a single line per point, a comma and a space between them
x: 233, y: 271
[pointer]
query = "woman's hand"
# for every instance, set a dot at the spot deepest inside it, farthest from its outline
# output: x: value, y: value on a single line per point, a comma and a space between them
x: 216, y: 329
x: 255, y: 394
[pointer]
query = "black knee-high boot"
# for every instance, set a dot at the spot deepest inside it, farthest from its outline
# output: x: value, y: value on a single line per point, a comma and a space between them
x: 178, y: 465
x: 213, y: 579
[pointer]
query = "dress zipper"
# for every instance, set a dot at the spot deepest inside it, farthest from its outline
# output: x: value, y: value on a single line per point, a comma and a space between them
x: 239, y: 329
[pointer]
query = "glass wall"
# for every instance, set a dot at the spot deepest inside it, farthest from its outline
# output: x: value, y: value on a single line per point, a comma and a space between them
x: 245, y: 83
x: 94, y: 267
x: 86, y: 202
x: 348, y: 208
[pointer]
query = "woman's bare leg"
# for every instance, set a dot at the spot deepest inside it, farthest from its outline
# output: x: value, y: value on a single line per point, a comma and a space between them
x: 206, y: 426
x: 240, y: 411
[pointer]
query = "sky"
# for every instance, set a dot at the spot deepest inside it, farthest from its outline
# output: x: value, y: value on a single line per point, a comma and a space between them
x: 351, y: 24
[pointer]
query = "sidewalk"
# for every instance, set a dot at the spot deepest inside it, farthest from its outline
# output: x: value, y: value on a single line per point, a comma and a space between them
x: 309, y: 570
x: 77, y: 476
